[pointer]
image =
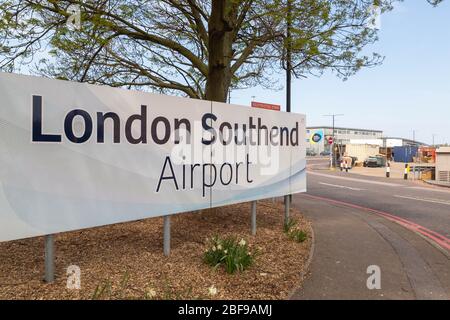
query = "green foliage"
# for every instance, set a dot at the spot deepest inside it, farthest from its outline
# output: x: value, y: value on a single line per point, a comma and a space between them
x: 291, y: 229
x: 289, y: 225
x: 164, y: 45
x: 102, y: 290
x: 230, y: 253
x: 298, y: 235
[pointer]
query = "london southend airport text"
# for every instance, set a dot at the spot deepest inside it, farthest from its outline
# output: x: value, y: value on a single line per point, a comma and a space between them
x: 255, y: 133
x: 180, y: 177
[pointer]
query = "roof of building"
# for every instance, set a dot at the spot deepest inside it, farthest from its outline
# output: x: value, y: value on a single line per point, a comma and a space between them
x: 342, y: 128
x: 406, y: 140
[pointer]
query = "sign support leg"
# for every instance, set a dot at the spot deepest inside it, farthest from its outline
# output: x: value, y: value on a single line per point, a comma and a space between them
x: 253, y: 218
x: 166, y: 235
x: 286, y: 209
x: 49, y: 259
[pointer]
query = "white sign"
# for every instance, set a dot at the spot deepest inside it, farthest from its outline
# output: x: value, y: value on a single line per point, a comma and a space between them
x: 373, y: 142
x: 390, y: 143
x: 75, y: 156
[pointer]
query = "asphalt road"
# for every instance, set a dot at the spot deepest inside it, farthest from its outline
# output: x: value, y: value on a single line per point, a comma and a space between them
x: 426, y: 206
x: 401, y: 227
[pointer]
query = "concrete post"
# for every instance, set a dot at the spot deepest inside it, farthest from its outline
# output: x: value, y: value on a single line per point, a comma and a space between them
x: 253, y: 218
x: 166, y: 236
x: 286, y: 209
x: 49, y: 256
x: 388, y: 170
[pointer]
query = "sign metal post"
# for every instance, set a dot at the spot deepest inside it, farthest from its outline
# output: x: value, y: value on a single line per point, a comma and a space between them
x: 286, y: 209
x: 49, y: 259
x: 166, y: 235
x: 253, y: 218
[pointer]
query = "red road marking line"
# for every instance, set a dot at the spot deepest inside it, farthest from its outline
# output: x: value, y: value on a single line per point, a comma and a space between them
x: 436, y: 237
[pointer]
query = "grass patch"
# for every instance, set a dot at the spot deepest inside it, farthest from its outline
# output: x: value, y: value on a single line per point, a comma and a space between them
x: 291, y: 229
x: 289, y: 225
x: 298, y: 235
x: 229, y: 253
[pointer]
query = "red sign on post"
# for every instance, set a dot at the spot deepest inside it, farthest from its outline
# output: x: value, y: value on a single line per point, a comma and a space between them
x: 267, y: 106
x: 330, y: 140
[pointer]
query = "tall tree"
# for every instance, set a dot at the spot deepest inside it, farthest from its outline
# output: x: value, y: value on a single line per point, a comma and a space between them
x: 199, y: 48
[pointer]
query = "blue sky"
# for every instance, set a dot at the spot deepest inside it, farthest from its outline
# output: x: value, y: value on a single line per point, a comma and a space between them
x: 410, y: 91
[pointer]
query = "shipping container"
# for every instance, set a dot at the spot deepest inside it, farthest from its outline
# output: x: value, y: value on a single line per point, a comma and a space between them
x: 405, y: 153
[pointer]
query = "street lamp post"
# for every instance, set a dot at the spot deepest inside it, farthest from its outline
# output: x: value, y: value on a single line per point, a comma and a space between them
x: 414, y: 135
x: 332, y: 153
x: 288, y: 56
x: 287, y: 198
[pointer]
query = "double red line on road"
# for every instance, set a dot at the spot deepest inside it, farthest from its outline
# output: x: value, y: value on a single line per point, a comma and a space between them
x: 439, y: 239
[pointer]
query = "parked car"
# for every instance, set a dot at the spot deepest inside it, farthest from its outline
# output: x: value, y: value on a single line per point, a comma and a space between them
x: 311, y: 153
x: 325, y: 153
x: 374, y: 162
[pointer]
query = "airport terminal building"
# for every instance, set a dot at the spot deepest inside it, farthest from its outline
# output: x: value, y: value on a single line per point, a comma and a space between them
x: 317, y: 137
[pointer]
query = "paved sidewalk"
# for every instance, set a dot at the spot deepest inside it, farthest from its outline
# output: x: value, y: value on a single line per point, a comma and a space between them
x: 348, y: 240
x: 397, y: 171
x: 438, y: 183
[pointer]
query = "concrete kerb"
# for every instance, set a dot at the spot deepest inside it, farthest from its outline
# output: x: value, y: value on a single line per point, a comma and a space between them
x: 431, y: 242
x: 437, y: 184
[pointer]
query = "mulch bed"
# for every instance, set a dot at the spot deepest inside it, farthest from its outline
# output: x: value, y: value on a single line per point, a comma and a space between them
x: 125, y: 261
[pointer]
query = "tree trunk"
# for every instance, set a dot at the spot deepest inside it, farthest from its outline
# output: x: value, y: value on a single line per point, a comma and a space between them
x: 220, y: 51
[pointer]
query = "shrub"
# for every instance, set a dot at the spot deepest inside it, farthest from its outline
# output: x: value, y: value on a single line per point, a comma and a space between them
x: 298, y: 235
x: 230, y: 253
x: 291, y: 230
x: 289, y: 225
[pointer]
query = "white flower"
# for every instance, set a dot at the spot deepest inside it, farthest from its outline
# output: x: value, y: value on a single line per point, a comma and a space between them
x: 219, y: 247
x: 242, y: 242
x: 214, y: 248
x: 225, y: 251
x: 151, y: 293
x: 212, y: 290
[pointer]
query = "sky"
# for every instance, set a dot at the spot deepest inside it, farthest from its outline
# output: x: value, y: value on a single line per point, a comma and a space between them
x: 409, y: 92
